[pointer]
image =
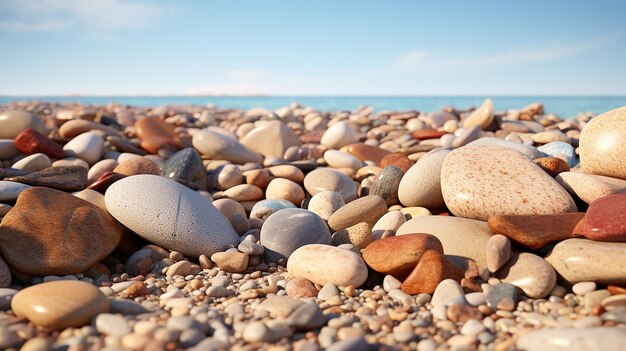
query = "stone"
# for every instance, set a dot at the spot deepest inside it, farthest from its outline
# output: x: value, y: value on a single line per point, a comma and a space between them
x: 255, y: 331
x: 137, y: 165
x: 482, y: 116
x: 186, y: 167
x: 227, y: 176
x: 282, y: 138
x: 617, y: 315
x: 216, y: 146
x: 14, y: 122
x: 87, y: 146
x: 447, y: 292
x: 102, y: 184
x: 112, y: 324
x: 461, y: 238
x: 365, y: 209
x: 9, y: 191
x: 265, y: 208
x: 529, y: 272
x: 560, y: 149
x: 578, y: 260
x: 387, y: 183
x: 319, y: 264
x: 230, y: 261
x: 327, y: 292
x: 431, y: 269
x: 407, y: 251
x: 389, y: 222
x: 305, y: 227
x: 501, y: 291
x: 552, y: 165
x: 397, y: 159
x: 390, y: 283
x: 605, y: 219
x: 465, y: 136
x: 366, y: 152
x: 425, y: 134
x: 572, y: 339
x: 284, y: 189
x: 33, y: 163
x: 290, y: 172
x: 583, y: 288
x: 30, y: 141
x: 181, y: 268
x: 156, y: 135
x: 325, y: 203
x: 8, y: 149
x: 530, y: 151
x: 96, y: 171
x: 421, y: 185
x: 549, y: 136
x: 354, y: 343
x: 5, y: 274
x: 74, y: 127
x: 51, y: 232
x: 359, y: 235
x: 536, y: 231
x: 125, y: 145
x: 461, y: 313
x: 307, y: 316
x: 59, y: 304
x: 480, y: 181
x: 280, y: 306
x: 602, y: 144
x: 498, y: 252
x: 300, y: 288
x: 170, y: 215
x: 244, y: 192
x: 327, y: 179
x: 338, y: 135
x: 339, y: 159
x: 590, y: 187
x: 66, y: 178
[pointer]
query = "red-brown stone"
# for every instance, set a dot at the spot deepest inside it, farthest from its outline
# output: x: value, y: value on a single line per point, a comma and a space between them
x: 397, y: 159
x: 536, y: 231
x: 606, y: 219
x: 431, y: 269
x: 30, y: 141
x: 366, y: 152
x: 427, y: 134
x: 102, y: 184
x: 552, y: 165
x: 156, y: 134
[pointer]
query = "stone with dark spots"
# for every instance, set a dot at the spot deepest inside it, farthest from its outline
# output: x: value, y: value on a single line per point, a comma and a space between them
x: 387, y: 183
x: 186, y: 168
x: 66, y: 178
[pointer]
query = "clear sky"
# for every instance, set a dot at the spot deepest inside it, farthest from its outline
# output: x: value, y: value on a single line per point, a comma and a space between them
x: 116, y: 47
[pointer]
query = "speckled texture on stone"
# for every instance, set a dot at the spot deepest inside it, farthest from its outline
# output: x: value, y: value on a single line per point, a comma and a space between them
x: 170, y: 215
x: 421, y: 185
x: 186, y: 168
x: 480, y: 181
x: 590, y: 187
x: 530, y: 273
x: 327, y: 179
x: 603, y: 144
x: 387, y: 183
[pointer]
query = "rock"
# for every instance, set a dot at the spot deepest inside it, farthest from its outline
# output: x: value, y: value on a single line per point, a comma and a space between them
x: 244, y: 192
x: 181, y: 268
x: 482, y: 116
x: 325, y: 203
x: 498, y: 252
x: 327, y: 179
x: 280, y: 306
x: 156, y: 135
x: 87, y: 147
x: 407, y: 251
x: 30, y: 141
x: 339, y: 159
x: 552, y: 165
x: 465, y: 136
x: 617, y: 315
x: 305, y: 227
x: 421, y: 185
x: 502, y: 291
x: 300, y: 288
x: 574, y: 339
x: 431, y: 269
x: 265, y: 208
x: 560, y: 149
x: 170, y: 215
x: 583, y: 288
x: 9, y: 191
x: 320, y: 264
x: 96, y: 171
x: 446, y: 293
x: 33, y: 163
x: 530, y: 151
x: 365, y: 209
x: 8, y: 149
x: 230, y: 261
x: 66, y: 178
x: 578, y: 260
x: 387, y: 183
x: 366, y: 152
x: 327, y: 292
x: 255, y: 331
x: 14, y: 122
x: 124, y: 145
x: 461, y: 313
x: 216, y: 146
x: 282, y: 138
x: 338, y: 135
x: 536, y: 231
x: 290, y: 172
x: 590, y: 187
x: 354, y: 343
x: 605, y: 219
x: 359, y: 235
x: 480, y: 181
x: 51, y: 232
x: 307, y: 316
x: 390, y: 222
x: 112, y: 324
x: 284, y: 189
x: 5, y: 274
x: 74, y: 127
x: 602, y: 144
x: 461, y: 238
x: 549, y: 136
x: 397, y: 159
x: 186, y: 168
x: 60, y: 304
x: 227, y: 176
x: 102, y: 184
x: 426, y: 134
x: 530, y: 273
x: 137, y: 165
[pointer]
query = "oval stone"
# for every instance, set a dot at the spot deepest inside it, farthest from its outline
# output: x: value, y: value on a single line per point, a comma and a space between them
x: 327, y: 179
x: 323, y: 264
x: 365, y: 209
x: 603, y: 143
x: 530, y: 273
x: 13, y: 123
x: 87, y: 146
x: 387, y: 183
x: 217, y: 146
x: 421, y: 185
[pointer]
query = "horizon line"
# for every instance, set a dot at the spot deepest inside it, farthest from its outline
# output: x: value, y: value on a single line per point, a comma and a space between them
x: 296, y: 95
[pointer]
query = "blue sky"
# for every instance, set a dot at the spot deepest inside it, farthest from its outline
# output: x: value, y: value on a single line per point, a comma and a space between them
x: 115, y: 47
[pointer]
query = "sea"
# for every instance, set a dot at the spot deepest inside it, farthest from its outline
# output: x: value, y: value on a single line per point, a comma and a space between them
x: 563, y: 106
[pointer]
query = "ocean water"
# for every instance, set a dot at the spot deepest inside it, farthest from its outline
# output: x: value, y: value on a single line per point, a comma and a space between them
x: 563, y: 106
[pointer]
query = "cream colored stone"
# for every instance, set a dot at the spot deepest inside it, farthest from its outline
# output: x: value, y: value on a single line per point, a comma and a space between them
x: 324, y: 204
x: 328, y: 179
x: 392, y: 220
x: 421, y: 184
x: 322, y: 264
x: 602, y: 147
x: 244, y: 192
x: 93, y: 197
x: 284, y: 189
x: 33, y: 163
x: 482, y: 116
x: 530, y: 273
x: 338, y: 135
x: 590, y: 187
x: 339, y: 159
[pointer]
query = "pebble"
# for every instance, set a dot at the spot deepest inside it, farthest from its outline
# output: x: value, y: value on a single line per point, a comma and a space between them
x: 498, y: 252
x: 281, y: 135
x: 447, y: 292
x: 582, y: 288
x: 536, y: 231
x: 284, y: 189
x: 9, y: 191
x: 338, y: 135
x: 33, y: 163
x: 605, y: 219
x: 13, y: 122
x: 325, y: 203
x: 602, y: 143
x: 87, y: 146
x: 481, y: 117
x: 314, y: 262
x: 529, y: 272
x: 366, y: 209
x: 590, y: 187
x: 421, y: 184
x: 216, y: 146
x: 389, y: 222
x: 327, y: 179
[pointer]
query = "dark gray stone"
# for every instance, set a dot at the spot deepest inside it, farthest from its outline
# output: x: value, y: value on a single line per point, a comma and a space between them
x: 502, y: 291
x: 386, y: 184
x: 186, y: 167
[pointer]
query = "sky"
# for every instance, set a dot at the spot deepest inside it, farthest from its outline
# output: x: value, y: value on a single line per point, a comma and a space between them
x: 141, y: 47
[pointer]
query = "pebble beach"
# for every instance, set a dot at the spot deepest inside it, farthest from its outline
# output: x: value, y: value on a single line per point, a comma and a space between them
x: 189, y: 227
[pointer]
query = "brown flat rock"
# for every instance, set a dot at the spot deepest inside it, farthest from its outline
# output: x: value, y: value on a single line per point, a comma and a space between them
x: 536, y: 231
x: 66, y: 178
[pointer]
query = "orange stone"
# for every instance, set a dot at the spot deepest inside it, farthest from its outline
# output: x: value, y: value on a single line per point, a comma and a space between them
x: 552, y: 165
x: 366, y: 152
x: 397, y: 159
x: 156, y: 134
x: 428, y: 134
x: 138, y: 165
x: 431, y: 269
x: 617, y: 289
x: 536, y: 231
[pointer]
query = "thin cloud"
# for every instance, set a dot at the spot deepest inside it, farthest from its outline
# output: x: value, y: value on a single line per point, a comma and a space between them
x: 101, y: 16
x: 424, y: 59
x: 238, y: 83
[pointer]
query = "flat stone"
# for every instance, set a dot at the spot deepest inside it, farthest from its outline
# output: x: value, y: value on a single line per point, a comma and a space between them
x: 112, y: 324
x: 156, y: 134
x: 425, y: 134
x: 397, y: 159
x: 265, y: 208
x: 9, y: 191
x: 447, y: 292
x: 549, y: 136
x: 216, y: 146
x: 306, y: 317
x: 366, y: 152
x: 51, y: 232
x: 30, y: 141
x: 498, y: 252
x: 590, y: 187
x: 340, y: 159
x: 421, y: 185
x: 387, y: 183
x: 320, y: 264
x: 102, y: 184
x: 33, y: 163
x: 499, y: 292
x: 87, y: 147
x: 60, y: 304
x: 605, y: 219
x: 74, y: 127
x: 280, y: 306
x: 327, y: 179
x: 137, y: 165
x: 530, y: 273
x: 482, y: 116
x: 578, y: 260
x: 66, y: 178
x: 431, y: 269
x: 230, y: 261
x: 305, y: 227
x: 583, y: 288
x: 536, y: 231
x: 480, y: 181
x: 552, y: 165
x: 365, y: 209
x: 338, y: 135
x: 244, y: 192
x: 186, y: 168
x: 170, y: 215
x: 390, y: 222
x: 14, y: 122
x: 125, y: 145
x: 290, y: 172
x: 602, y: 144
x: 282, y: 138
x: 466, y: 136
x: 574, y: 339
x: 398, y: 255
x: 325, y: 203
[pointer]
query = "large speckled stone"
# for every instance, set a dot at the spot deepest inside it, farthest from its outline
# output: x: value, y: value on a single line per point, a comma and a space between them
x: 590, y: 187
x: 217, y: 146
x: 327, y: 179
x: 421, y: 185
x: 480, y: 181
x: 170, y: 214
x: 304, y: 227
x: 579, y: 260
x: 530, y: 273
x: 530, y: 151
x: 319, y: 264
x: 13, y: 123
x: 603, y: 144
